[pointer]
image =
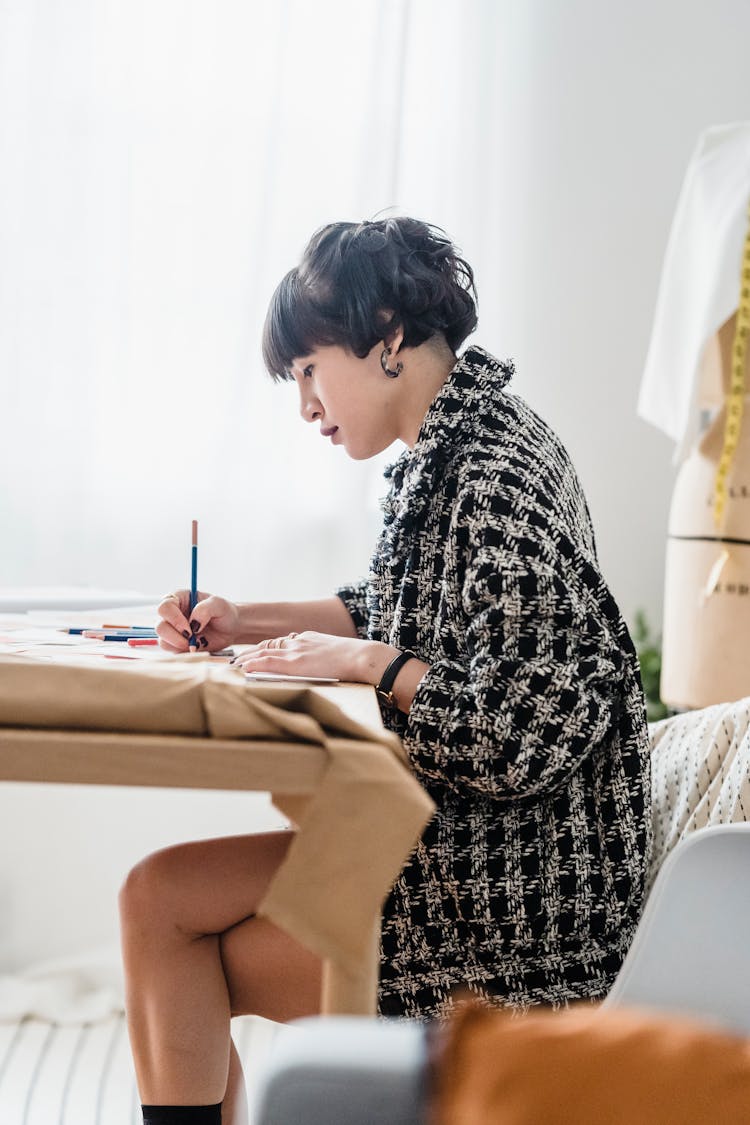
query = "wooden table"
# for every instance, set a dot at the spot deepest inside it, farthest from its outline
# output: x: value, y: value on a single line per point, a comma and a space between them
x: 102, y: 758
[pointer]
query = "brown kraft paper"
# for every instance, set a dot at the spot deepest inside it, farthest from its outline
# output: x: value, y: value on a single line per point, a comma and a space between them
x: 355, y: 830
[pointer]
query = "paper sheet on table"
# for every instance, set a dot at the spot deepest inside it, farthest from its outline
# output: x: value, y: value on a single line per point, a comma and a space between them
x: 356, y: 829
x: 44, y: 642
x: 276, y: 677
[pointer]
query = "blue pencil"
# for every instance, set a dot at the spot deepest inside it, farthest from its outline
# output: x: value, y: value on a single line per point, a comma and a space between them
x: 101, y: 635
x: 134, y: 630
x: 194, y: 578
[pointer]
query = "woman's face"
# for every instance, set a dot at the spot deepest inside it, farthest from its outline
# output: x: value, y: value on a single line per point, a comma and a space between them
x: 351, y: 399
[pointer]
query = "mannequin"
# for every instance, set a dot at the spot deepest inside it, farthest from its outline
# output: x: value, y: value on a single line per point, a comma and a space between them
x: 706, y: 632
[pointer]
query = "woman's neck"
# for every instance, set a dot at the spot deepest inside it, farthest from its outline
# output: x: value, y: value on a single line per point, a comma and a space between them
x: 426, y: 369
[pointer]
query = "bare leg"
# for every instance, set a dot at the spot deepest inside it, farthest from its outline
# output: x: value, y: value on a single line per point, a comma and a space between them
x: 234, y: 1109
x: 194, y: 955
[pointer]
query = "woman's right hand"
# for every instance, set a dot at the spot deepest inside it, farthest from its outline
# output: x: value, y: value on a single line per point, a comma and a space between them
x: 214, y: 622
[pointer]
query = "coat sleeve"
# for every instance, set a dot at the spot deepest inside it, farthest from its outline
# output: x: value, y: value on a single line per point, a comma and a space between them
x: 540, y: 684
x: 355, y: 599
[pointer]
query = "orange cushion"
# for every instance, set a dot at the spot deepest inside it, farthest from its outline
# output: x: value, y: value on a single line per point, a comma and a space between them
x: 588, y: 1066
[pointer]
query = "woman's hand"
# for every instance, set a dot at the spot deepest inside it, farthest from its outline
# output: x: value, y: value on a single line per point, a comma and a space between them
x: 214, y: 622
x: 318, y: 654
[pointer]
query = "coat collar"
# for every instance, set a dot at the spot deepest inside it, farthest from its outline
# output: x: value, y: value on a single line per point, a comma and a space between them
x: 468, y: 392
x: 472, y: 384
x: 476, y: 379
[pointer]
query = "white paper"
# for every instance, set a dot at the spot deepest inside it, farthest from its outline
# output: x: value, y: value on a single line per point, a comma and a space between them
x: 294, y: 679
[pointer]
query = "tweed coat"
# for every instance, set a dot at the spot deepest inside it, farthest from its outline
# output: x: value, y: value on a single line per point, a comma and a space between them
x: 529, y: 728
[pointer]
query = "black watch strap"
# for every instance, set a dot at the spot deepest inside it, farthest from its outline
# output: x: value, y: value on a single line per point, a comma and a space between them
x: 384, y: 688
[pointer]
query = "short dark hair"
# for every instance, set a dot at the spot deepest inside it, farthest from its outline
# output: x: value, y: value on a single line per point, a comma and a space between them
x: 357, y: 283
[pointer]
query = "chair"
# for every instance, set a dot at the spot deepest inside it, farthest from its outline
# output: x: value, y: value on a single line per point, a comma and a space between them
x: 689, y: 954
x: 689, y: 957
x: 344, y: 1070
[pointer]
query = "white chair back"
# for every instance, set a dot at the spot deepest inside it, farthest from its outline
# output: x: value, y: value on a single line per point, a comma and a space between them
x: 690, y: 954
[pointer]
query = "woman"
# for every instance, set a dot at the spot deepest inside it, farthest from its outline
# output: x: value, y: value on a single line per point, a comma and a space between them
x: 502, y: 662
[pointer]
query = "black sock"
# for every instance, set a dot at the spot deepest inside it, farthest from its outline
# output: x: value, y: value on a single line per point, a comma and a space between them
x: 181, y: 1114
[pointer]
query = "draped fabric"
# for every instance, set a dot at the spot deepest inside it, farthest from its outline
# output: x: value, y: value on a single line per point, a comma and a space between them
x: 700, y: 763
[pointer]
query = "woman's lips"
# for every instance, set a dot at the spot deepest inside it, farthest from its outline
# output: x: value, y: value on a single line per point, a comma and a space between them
x: 329, y: 432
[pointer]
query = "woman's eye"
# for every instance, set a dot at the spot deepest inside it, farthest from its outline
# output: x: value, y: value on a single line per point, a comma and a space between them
x: 307, y: 371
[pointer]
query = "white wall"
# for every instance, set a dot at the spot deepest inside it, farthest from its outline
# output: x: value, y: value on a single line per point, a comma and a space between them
x: 64, y: 850
x: 595, y: 109
x: 566, y: 213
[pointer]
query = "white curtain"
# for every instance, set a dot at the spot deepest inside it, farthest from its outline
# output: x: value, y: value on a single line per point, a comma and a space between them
x: 162, y: 164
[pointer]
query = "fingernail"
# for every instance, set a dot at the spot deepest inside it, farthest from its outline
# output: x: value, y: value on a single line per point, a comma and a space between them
x: 185, y: 634
x: 204, y: 642
x: 194, y: 625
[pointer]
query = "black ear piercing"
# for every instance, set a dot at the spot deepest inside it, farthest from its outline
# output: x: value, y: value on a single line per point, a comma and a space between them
x: 392, y: 373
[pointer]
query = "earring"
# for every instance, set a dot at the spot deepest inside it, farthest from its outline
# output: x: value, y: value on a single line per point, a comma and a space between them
x: 392, y: 373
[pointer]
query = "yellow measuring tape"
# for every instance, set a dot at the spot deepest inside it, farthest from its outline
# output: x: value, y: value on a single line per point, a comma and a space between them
x: 736, y: 396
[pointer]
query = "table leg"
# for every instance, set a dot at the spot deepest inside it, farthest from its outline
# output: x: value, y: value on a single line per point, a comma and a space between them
x: 353, y: 994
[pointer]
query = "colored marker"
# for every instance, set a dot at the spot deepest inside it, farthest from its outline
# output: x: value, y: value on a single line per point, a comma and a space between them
x: 194, y: 579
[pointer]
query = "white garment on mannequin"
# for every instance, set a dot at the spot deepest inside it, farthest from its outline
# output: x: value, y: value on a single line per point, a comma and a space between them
x: 700, y: 281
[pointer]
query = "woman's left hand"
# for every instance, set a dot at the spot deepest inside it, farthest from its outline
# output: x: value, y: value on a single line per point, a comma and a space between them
x: 318, y: 654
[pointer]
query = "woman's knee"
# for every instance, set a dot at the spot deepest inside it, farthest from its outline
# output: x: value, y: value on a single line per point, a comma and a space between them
x: 149, y: 891
x: 200, y: 888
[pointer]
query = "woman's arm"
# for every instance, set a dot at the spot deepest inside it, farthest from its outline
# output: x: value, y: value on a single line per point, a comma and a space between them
x: 328, y: 637
x: 355, y: 599
x: 216, y: 622
x: 259, y: 620
x: 544, y: 679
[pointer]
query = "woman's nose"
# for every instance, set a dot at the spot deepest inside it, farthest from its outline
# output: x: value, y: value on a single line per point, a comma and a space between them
x: 309, y: 407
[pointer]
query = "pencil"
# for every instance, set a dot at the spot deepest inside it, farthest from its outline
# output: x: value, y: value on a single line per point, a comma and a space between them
x: 194, y: 578
x: 132, y: 628
x: 118, y: 634
x: 136, y: 641
x: 135, y: 630
x: 99, y: 635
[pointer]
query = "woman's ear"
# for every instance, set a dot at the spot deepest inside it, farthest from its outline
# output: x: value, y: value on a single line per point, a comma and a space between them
x: 394, y: 339
x: 392, y: 342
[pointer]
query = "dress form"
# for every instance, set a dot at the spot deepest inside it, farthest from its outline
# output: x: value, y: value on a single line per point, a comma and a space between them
x: 706, y: 630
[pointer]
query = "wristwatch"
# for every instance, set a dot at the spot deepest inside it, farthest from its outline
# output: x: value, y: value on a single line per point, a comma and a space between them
x: 384, y: 689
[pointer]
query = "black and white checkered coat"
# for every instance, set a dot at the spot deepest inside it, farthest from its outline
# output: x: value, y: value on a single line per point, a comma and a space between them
x: 529, y: 729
